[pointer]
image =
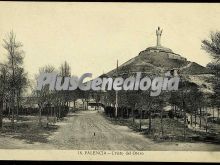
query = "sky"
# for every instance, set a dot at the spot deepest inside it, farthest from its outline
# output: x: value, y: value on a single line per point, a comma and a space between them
x: 92, y: 36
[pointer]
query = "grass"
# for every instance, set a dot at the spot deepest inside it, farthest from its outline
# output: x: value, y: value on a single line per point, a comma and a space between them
x: 173, y: 130
x: 27, y: 128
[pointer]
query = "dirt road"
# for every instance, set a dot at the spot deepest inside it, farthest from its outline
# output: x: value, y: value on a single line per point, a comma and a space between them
x: 90, y: 130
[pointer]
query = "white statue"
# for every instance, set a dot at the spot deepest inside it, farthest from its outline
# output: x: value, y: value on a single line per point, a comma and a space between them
x: 159, y: 33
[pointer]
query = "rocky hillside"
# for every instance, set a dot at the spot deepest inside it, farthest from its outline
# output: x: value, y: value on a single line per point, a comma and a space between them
x: 155, y: 62
x: 159, y: 62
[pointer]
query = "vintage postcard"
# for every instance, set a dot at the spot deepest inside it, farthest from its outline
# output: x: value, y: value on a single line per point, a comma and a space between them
x: 110, y: 81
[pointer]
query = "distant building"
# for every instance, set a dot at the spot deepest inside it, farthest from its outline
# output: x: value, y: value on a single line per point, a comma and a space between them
x: 90, y: 104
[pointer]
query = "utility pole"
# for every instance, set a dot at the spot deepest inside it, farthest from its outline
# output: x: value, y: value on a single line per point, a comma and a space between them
x: 183, y: 105
x: 116, y: 97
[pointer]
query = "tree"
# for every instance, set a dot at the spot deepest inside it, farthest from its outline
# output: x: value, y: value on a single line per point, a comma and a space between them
x: 212, y: 45
x: 44, y: 96
x: 65, y: 71
x: 21, y: 85
x: 15, y: 69
x: 215, y: 66
x: 133, y: 99
x: 74, y: 95
x: 3, y: 90
x: 64, y: 96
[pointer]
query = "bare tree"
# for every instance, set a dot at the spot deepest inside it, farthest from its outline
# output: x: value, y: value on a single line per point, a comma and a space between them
x: 44, y: 96
x: 64, y: 96
x: 15, y: 61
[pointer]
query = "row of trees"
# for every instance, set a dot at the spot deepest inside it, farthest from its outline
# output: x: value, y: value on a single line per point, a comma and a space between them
x: 139, y: 104
x: 14, y: 84
x: 57, y: 101
x: 13, y: 78
x: 212, y: 46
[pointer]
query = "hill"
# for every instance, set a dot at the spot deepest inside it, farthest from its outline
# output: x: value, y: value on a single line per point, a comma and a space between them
x: 159, y: 61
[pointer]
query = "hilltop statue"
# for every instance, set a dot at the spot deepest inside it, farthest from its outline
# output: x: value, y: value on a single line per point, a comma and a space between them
x: 159, y: 33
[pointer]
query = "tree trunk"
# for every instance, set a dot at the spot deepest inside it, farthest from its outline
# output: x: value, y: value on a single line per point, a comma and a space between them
x: 40, y: 122
x: 87, y: 105
x: 133, y: 116
x: 51, y: 111
x: 74, y: 104
x: 12, y: 111
x: 191, y: 118
x: 54, y: 114
x: 17, y: 106
x: 195, y: 116
x: 200, y: 117
x: 1, y: 113
x: 9, y: 111
x: 206, y: 121
x: 161, y: 121
x: 218, y: 112
x: 140, y: 121
x: 184, y: 120
x: 48, y: 111
x: 12, y: 118
x: 59, y: 113
x: 213, y: 114
x: 150, y: 124
x: 17, y: 109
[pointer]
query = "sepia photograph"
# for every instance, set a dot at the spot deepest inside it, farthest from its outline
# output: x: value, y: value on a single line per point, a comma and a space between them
x: 110, y: 81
